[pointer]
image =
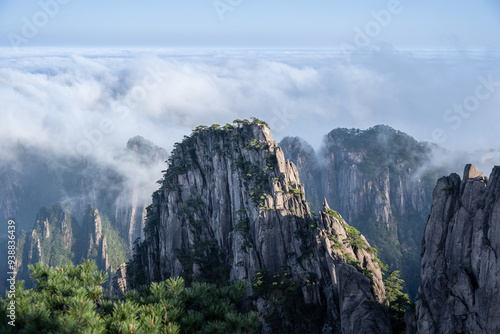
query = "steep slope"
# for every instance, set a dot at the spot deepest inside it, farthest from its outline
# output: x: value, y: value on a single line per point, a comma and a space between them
x: 460, y: 264
x: 56, y: 239
x: 232, y: 208
x: 376, y: 178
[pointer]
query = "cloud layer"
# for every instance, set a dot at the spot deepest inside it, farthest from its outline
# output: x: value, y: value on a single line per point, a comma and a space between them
x: 88, y: 102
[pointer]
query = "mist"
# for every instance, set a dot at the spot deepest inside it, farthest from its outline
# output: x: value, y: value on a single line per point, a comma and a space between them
x: 83, y: 105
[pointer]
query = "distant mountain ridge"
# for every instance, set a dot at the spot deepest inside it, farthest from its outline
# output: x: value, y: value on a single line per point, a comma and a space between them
x: 381, y: 180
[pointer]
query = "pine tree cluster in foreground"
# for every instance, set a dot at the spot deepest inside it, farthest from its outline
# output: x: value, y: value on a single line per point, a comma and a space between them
x: 71, y: 299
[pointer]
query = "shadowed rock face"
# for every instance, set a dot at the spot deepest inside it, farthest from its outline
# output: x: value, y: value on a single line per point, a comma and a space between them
x: 231, y: 208
x: 311, y: 172
x: 460, y: 285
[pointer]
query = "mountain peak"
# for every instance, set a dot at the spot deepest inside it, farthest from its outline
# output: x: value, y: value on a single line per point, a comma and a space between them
x: 325, y: 205
x: 232, y: 208
x: 471, y: 172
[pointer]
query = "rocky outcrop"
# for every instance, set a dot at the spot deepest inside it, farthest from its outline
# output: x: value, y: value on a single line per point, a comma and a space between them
x: 35, y: 251
x: 119, y: 282
x: 232, y: 208
x: 131, y: 217
x: 50, y: 241
x: 56, y: 238
x: 376, y: 178
x: 460, y: 263
x: 97, y: 245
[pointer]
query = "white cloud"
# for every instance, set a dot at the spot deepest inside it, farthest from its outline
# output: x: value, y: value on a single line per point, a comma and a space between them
x: 91, y: 102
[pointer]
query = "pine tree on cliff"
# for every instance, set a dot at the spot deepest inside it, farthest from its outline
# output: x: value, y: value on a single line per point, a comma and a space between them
x: 71, y: 299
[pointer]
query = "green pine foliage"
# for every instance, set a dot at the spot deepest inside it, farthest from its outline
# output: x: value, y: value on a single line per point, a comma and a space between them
x: 354, y: 238
x: 71, y: 299
x: 336, y: 243
x: 334, y: 214
x: 294, y: 191
x: 397, y: 300
x: 255, y: 120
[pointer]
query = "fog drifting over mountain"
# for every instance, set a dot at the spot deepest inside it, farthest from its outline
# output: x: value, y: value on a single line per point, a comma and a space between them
x: 85, y: 102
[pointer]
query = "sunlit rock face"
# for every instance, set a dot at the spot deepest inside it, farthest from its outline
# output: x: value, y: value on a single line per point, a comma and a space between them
x: 231, y: 208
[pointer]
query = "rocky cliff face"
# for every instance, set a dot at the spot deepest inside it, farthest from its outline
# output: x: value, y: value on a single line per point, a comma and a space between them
x: 310, y: 170
x: 56, y: 238
x: 97, y: 240
x: 460, y: 263
x: 375, y: 179
x: 50, y: 241
x: 232, y: 208
x: 119, y: 280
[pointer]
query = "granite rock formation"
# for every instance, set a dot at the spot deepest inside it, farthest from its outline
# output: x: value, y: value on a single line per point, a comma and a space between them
x: 460, y: 262
x: 378, y: 178
x: 56, y: 239
x: 232, y: 208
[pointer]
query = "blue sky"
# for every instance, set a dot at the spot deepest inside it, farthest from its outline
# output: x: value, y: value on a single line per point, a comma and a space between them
x: 417, y: 24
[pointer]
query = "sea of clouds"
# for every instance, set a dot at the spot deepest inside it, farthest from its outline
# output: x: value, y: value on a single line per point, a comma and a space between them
x: 82, y: 103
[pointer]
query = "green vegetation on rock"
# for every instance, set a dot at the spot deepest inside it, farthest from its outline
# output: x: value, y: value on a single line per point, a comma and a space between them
x: 286, y: 301
x: 381, y: 182
x: 334, y: 214
x: 397, y: 300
